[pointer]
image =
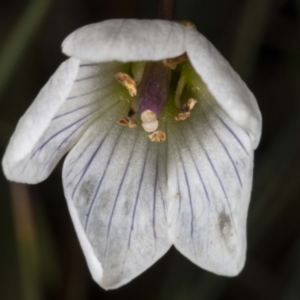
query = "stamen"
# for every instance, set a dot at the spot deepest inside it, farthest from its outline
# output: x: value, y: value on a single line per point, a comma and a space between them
x: 173, y: 62
x: 150, y: 89
x: 128, y: 82
x: 187, y: 23
x: 186, y: 107
x: 182, y: 116
x: 178, y: 92
x: 137, y: 69
x: 157, y: 136
x: 127, y: 122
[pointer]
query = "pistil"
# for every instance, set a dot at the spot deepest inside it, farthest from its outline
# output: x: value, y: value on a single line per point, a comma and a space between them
x: 152, y: 93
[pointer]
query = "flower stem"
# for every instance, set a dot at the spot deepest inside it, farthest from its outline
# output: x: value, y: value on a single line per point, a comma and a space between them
x: 166, y: 9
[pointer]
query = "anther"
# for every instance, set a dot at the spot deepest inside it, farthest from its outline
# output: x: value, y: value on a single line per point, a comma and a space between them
x: 186, y: 107
x: 157, y: 136
x: 127, y: 122
x: 128, y: 82
x: 173, y: 62
x: 187, y: 23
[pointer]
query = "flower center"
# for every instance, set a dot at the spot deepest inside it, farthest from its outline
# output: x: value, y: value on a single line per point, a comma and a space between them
x: 150, y: 86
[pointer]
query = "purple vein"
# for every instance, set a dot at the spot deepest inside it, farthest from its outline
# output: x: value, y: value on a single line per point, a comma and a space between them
x: 89, y: 143
x: 190, y: 201
x: 154, y: 196
x: 85, y: 169
x: 211, y: 164
x: 189, y: 193
x: 216, y: 174
x: 63, y: 141
x: 178, y: 186
x: 196, y: 167
x: 137, y: 199
x: 226, y: 150
x: 89, y: 65
x: 74, y: 110
x: 234, y: 134
x: 100, y: 182
x: 101, y: 73
x: 117, y: 197
x: 93, y: 91
x: 73, y: 162
x: 57, y: 133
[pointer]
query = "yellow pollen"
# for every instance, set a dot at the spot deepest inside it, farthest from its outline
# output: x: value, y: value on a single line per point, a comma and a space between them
x: 127, y: 122
x: 187, y: 23
x: 182, y: 116
x: 187, y: 107
x: 149, y: 119
x: 173, y: 62
x: 157, y: 136
x: 128, y: 82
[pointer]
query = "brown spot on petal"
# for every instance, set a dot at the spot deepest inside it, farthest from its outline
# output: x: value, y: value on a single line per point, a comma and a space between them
x: 225, y: 226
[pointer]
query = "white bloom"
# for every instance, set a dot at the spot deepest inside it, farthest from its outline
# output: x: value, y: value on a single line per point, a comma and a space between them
x: 130, y: 198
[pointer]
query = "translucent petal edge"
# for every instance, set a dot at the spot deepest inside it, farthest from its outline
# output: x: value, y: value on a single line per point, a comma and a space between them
x: 39, y: 115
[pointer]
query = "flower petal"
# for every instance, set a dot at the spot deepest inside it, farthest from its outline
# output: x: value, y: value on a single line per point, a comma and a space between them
x: 224, y: 84
x: 209, y: 180
x: 126, y: 40
x: 114, y: 182
x: 64, y: 108
x: 137, y: 40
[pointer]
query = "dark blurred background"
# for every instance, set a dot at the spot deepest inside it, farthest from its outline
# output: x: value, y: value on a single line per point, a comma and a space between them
x: 39, y: 254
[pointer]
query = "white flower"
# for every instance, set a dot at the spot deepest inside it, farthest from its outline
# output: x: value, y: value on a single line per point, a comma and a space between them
x: 131, y: 198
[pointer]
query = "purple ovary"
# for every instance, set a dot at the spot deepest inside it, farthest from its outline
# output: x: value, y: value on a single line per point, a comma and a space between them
x: 154, y: 87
